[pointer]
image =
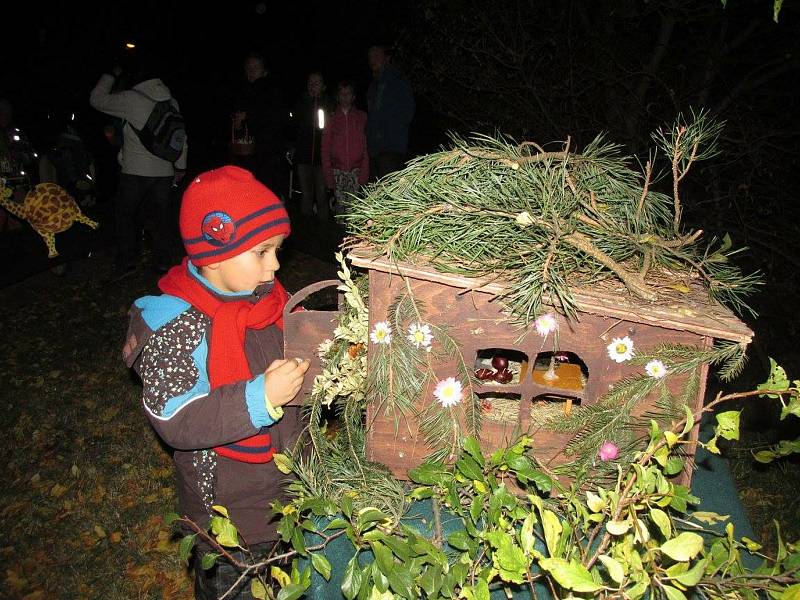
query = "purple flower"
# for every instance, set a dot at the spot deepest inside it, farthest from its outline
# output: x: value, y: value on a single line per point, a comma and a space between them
x: 608, y: 451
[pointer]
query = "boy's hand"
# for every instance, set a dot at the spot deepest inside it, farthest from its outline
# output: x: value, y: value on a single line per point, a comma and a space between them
x: 283, y: 379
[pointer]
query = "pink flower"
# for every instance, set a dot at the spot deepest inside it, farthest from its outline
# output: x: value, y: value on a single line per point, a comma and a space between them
x: 608, y: 451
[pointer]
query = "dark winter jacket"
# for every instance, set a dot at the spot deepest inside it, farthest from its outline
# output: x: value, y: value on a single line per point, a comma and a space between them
x: 267, y: 115
x: 167, y: 345
x: 308, y: 135
x: 390, y: 108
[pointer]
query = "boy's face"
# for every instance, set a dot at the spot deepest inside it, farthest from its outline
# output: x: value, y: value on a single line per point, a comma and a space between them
x: 246, y: 271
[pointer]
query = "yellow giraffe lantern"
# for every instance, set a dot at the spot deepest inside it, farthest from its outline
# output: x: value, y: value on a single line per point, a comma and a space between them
x: 49, y: 209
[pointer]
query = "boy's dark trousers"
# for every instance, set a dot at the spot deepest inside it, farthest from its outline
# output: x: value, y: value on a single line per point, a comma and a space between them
x: 132, y: 194
x: 213, y: 583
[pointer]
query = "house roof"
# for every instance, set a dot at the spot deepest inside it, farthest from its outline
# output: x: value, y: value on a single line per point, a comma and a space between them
x: 681, y: 305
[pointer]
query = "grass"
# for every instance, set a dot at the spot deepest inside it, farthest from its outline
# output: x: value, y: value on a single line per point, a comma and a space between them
x: 86, y: 480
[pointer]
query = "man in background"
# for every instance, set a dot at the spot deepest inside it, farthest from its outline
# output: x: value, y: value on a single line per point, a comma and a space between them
x: 144, y: 177
x: 390, y: 108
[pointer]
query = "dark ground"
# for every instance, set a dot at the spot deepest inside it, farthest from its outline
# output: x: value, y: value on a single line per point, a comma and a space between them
x: 86, y: 480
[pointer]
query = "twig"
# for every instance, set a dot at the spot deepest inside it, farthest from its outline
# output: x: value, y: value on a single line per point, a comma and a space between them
x: 549, y: 259
x: 646, y: 261
x: 647, y: 173
x: 647, y: 456
x: 437, y: 524
x: 676, y: 178
x: 240, y: 565
x: 676, y: 155
x: 211, y: 542
x: 534, y: 144
x: 631, y: 280
x: 515, y: 162
x: 680, y: 242
x: 530, y: 582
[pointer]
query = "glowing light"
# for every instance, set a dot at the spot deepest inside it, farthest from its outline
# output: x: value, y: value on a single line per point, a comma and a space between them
x: 130, y: 45
x: 72, y: 117
x: 22, y: 172
x: 16, y: 138
x: 35, y: 155
x: 291, y: 115
x: 321, y: 118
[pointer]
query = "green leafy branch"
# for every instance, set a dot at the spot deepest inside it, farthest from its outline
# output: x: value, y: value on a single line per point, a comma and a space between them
x: 521, y: 528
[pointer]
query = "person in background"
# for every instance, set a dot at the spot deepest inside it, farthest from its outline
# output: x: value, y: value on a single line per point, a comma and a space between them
x: 261, y: 113
x: 310, y: 114
x: 345, y: 161
x: 390, y: 108
x: 145, y: 176
x: 66, y: 161
x: 17, y: 162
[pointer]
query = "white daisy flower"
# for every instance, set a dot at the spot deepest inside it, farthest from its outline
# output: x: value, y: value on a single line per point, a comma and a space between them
x: 448, y: 392
x: 324, y: 348
x: 420, y: 335
x: 381, y: 333
x: 621, y: 349
x: 656, y: 369
x: 546, y: 324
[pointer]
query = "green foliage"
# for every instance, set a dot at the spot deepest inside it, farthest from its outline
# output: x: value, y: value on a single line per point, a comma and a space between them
x: 546, y: 222
x: 779, y: 381
x: 612, y: 416
x: 776, y: 8
x: 520, y: 528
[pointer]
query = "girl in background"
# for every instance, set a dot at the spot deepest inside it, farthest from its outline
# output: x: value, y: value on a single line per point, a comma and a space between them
x: 345, y: 162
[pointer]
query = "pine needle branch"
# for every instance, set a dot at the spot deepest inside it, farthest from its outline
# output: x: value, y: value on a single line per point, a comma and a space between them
x: 546, y: 222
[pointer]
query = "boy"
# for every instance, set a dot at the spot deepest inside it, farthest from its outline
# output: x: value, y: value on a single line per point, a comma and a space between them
x: 209, y: 353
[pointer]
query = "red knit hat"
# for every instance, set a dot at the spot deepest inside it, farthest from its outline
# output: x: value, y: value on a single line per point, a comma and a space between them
x: 227, y: 211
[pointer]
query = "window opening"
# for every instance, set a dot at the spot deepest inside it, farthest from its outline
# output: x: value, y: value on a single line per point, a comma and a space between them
x: 546, y: 406
x: 561, y: 370
x: 500, y: 406
x: 500, y: 366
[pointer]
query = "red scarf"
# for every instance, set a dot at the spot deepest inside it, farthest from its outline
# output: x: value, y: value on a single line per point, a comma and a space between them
x: 227, y: 361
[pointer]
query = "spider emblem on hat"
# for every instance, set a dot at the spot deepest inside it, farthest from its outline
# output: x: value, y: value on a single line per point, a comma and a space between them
x: 218, y: 228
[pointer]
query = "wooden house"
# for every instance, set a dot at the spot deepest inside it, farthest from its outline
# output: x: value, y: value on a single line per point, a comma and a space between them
x: 543, y: 378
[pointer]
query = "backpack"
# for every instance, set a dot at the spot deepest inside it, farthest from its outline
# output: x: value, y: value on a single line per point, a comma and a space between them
x: 164, y: 134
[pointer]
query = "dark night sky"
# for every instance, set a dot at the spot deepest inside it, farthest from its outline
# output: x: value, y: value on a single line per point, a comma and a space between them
x: 59, y: 51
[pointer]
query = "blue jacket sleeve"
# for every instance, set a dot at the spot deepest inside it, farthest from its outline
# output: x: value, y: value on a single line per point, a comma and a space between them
x: 177, y: 396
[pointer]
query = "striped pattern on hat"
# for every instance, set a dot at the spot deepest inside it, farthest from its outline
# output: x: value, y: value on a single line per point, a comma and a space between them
x: 227, y: 211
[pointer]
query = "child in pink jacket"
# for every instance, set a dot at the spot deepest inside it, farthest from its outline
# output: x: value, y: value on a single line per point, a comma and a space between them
x: 345, y: 162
